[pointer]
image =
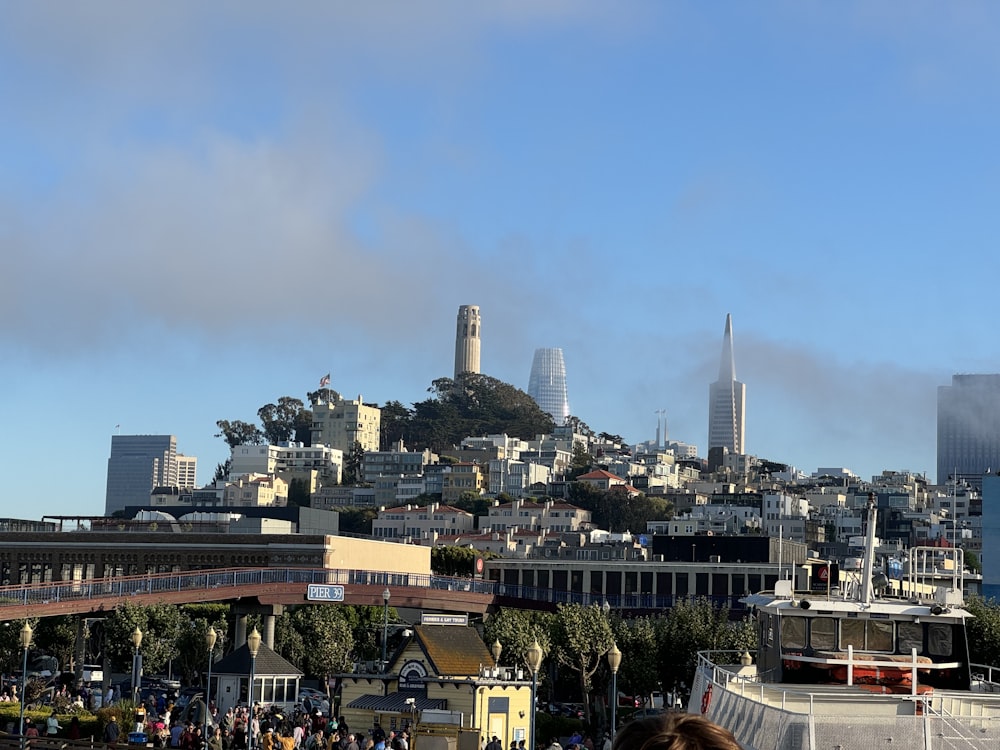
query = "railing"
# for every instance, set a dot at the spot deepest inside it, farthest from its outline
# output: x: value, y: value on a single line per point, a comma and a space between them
x: 156, y: 583
x: 128, y: 586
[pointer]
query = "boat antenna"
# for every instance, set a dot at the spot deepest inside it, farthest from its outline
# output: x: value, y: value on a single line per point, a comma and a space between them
x: 869, y: 559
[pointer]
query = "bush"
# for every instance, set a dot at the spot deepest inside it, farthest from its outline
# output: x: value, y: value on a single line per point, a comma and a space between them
x: 88, y: 722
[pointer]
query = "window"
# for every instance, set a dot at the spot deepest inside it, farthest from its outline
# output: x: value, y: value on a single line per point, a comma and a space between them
x: 910, y: 635
x: 793, y: 632
x: 939, y: 642
x: 823, y: 633
x: 867, y: 635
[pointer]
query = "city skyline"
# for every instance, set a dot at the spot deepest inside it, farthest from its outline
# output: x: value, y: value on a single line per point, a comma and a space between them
x: 205, y: 208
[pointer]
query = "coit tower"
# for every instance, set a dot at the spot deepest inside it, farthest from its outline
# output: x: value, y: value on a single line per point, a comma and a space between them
x: 467, y: 340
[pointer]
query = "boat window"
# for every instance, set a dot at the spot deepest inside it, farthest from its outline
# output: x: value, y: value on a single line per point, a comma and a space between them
x: 866, y: 635
x: 880, y: 635
x: 823, y: 633
x: 793, y: 632
x: 910, y: 636
x: 939, y: 639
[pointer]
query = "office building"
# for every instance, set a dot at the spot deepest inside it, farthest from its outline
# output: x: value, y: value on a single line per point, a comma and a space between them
x: 968, y: 428
x: 138, y: 463
x: 727, y: 401
x: 467, y: 340
x: 547, y: 383
x: 187, y: 471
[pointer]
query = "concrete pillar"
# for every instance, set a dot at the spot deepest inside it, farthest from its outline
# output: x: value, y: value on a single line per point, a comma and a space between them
x: 240, y: 636
x: 268, y: 634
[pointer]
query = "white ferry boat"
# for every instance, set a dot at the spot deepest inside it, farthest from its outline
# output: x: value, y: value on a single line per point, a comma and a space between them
x: 854, y: 670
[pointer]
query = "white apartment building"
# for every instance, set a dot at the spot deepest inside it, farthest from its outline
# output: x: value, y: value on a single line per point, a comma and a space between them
x: 549, y: 516
x: 506, y: 446
x: 421, y: 522
x: 292, y: 459
x: 516, y: 477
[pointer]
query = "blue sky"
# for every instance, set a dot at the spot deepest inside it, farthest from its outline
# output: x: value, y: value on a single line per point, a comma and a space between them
x: 204, y: 207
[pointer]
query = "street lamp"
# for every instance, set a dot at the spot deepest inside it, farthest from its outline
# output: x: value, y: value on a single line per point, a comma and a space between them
x: 496, y: 649
x: 136, y: 664
x: 614, y: 661
x: 210, y: 638
x: 25, y: 642
x: 253, y: 644
x: 385, y: 624
x: 533, y: 658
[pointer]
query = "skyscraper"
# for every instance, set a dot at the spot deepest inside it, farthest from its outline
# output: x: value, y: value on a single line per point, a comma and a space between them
x: 968, y: 428
x: 467, y: 340
x: 138, y: 463
x: 547, y: 383
x: 727, y: 399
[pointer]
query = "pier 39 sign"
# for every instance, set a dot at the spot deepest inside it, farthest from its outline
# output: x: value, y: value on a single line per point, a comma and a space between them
x: 321, y: 592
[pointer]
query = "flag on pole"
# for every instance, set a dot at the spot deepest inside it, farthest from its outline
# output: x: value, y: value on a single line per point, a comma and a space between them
x: 324, y: 381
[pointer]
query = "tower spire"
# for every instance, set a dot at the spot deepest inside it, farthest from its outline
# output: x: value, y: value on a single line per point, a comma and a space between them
x: 727, y: 365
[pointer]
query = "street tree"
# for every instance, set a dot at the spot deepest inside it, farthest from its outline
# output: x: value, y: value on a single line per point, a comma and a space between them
x: 160, y: 625
x: 237, y: 432
x: 279, y: 421
x: 56, y: 636
x: 636, y: 638
x: 694, y: 625
x: 517, y: 629
x: 983, y: 631
x: 582, y: 637
x: 191, y: 658
x: 328, y: 638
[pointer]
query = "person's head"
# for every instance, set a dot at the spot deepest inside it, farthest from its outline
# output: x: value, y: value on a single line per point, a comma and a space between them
x: 674, y: 731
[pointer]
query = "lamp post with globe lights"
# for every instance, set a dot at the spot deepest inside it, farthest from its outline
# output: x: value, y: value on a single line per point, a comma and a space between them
x: 533, y: 659
x: 26, y: 633
x: 614, y: 661
x: 210, y: 638
x: 385, y: 624
x: 136, y: 664
x: 253, y: 645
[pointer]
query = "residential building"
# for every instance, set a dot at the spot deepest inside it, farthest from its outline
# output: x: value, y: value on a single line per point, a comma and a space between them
x: 395, y: 462
x: 968, y: 428
x: 137, y: 464
x: 727, y: 402
x: 461, y: 478
x: 517, y: 478
x: 468, y: 340
x: 256, y: 490
x: 419, y: 522
x: 550, y: 516
x: 317, y: 464
x: 547, y: 383
x: 342, y: 423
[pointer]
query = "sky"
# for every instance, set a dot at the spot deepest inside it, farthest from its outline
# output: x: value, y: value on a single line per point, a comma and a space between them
x: 207, y: 206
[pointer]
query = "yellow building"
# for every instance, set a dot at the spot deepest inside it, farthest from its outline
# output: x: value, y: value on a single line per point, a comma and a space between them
x: 461, y: 478
x: 442, y: 674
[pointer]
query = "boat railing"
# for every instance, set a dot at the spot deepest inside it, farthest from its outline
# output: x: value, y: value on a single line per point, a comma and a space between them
x: 986, y: 677
x: 725, y: 670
